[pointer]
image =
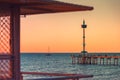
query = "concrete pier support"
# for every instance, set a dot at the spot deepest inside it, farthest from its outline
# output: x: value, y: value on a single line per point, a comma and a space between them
x: 115, y: 61
x: 102, y: 60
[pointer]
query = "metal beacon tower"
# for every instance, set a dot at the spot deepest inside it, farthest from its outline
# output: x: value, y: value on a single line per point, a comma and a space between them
x: 84, y: 26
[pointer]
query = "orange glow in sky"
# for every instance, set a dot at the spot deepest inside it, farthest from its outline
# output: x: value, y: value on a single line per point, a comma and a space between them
x: 62, y: 32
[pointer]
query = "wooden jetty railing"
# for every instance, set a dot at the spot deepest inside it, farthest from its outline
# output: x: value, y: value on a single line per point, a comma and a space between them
x: 102, y: 60
x: 60, y: 76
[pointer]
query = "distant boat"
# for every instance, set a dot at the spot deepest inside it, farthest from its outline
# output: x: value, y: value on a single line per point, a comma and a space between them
x: 48, y: 54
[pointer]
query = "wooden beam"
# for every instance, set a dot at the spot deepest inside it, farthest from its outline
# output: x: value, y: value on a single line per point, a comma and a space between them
x: 4, y: 57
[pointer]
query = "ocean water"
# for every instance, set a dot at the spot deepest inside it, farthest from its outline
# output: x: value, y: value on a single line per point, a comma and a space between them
x: 62, y: 63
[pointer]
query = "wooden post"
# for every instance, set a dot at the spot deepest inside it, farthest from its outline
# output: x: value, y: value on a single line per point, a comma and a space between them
x: 115, y: 61
x: 100, y: 61
x: 107, y: 61
x: 15, y: 40
x: 87, y: 60
x: 93, y: 59
x: 96, y: 60
x: 90, y: 60
x: 84, y: 60
x: 110, y: 61
x: 78, y: 59
x: 21, y: 77
x: 103, y: 61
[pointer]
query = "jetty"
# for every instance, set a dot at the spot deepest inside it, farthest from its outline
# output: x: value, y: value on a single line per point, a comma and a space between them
x: 85, y: 58
x: 95, y: 59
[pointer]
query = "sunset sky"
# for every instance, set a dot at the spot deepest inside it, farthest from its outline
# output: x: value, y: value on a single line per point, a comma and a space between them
x: 62, y: 32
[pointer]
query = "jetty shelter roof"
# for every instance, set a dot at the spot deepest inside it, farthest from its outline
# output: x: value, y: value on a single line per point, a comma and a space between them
x: 29, y: 7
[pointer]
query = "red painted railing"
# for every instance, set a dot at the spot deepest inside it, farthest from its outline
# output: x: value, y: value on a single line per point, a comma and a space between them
x: 60, y: 76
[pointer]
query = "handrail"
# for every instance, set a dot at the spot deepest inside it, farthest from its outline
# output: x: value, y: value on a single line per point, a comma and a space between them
x: 5, y: 56
x: 64, y: 76
x: 60, y: 78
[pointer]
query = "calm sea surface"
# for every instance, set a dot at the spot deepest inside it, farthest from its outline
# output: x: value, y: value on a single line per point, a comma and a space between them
x: 62, y: 63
